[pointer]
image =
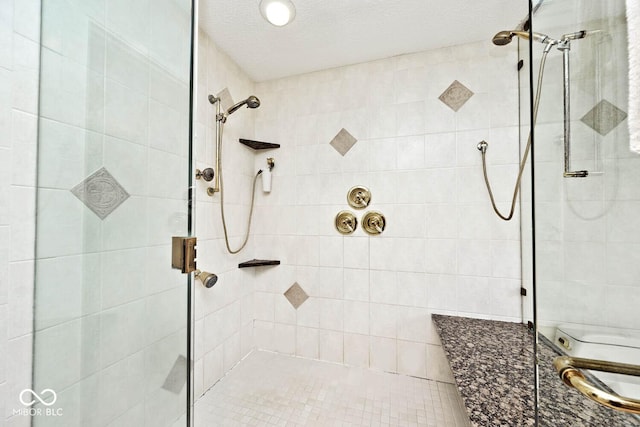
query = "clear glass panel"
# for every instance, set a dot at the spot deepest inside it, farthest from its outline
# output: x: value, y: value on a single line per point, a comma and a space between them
x: 587, y: 230
x: 113, y: 162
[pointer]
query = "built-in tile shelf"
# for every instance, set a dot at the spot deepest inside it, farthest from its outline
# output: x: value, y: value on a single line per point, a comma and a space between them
x: 258, y: 145
x: 258, y: 263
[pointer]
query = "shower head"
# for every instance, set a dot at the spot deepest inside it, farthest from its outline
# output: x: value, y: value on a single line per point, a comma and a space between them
x: 207, y: 279
x: 250, y: 102
x: 504, y: 37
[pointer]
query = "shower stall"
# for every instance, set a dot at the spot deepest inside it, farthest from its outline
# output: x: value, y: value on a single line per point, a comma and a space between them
x: 120, y: 338
x: 583, y: 265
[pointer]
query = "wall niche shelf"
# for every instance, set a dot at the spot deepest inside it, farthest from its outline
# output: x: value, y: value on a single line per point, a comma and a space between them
x: 258, y: 263
x: 258, y: 145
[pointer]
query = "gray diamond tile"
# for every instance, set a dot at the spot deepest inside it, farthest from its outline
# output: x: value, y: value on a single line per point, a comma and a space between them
x: 456, y: 95
x: 226, y: 100
x: 604, y: 117
x: 343, y: 141
x: 177, y: 376
x: 101, y: 193
x: 296, y: 295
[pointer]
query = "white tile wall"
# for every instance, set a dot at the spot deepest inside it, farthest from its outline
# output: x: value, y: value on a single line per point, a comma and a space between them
x: 225, y: 313
x: 84, y: 354
x: 442, y: 251
x: 19, y: 65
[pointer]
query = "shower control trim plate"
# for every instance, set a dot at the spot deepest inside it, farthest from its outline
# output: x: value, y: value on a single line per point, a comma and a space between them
x: 346, y: 222
x: 183, y: 254
x: 373, y: 223
x: 359, y: 197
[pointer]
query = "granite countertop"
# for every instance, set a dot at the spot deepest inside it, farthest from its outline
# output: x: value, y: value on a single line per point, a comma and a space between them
x: 493, y: 365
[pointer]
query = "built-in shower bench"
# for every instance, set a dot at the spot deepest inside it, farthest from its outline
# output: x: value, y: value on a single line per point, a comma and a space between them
x: 493, y: 365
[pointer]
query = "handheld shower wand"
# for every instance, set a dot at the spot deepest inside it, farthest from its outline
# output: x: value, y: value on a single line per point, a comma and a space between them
x: 503, y: 38
x: 221, y: 118
x: 500, y: 39
x: 250, y: 102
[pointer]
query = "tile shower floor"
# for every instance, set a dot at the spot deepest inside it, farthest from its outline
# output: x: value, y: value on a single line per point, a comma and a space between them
x: 271, y: 389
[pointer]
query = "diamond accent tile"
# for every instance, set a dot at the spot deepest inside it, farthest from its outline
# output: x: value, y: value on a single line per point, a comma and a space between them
x: 101, y: 193
x: 226, y: 100
x: 176, y: 378
x: 296, y: 295
x: 343, y: 141
x: 456, y: 95
x: 604, y: 117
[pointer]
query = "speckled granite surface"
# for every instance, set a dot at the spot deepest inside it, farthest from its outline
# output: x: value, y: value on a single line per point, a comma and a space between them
x: 492, y: 363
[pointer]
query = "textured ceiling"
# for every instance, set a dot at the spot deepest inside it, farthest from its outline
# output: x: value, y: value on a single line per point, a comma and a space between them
x: 332, y: 33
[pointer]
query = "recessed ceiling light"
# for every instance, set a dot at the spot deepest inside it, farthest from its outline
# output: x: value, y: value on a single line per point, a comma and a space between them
x: 278, y: 12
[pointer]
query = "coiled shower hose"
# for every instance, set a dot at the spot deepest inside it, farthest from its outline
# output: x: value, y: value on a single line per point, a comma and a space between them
x: 253, y: 197
x: 483, y: 150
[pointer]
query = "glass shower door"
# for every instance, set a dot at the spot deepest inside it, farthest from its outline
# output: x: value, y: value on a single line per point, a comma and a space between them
x: 587, y: 229
x: 111, y: 316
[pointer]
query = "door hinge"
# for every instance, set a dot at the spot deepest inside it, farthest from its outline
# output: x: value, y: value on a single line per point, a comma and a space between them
x: 530, y: 325
x: 183, y: 254
x: 523, y: 292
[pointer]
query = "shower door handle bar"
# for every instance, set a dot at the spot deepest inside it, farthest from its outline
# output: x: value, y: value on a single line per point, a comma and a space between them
x: 569, y: 370
x: 565, y: 46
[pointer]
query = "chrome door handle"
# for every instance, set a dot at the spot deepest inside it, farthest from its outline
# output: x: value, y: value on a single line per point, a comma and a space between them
x: 569, y: 370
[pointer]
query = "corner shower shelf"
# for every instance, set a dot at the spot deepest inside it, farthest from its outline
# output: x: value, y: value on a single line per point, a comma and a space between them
x: 258, y: 263
x: 258, y: 145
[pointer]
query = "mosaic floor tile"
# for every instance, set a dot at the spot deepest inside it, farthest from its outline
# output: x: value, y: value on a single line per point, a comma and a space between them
x: 273, y: 389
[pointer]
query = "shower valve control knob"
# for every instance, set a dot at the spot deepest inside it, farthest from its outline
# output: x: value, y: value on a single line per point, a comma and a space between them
x: 206, y: 174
